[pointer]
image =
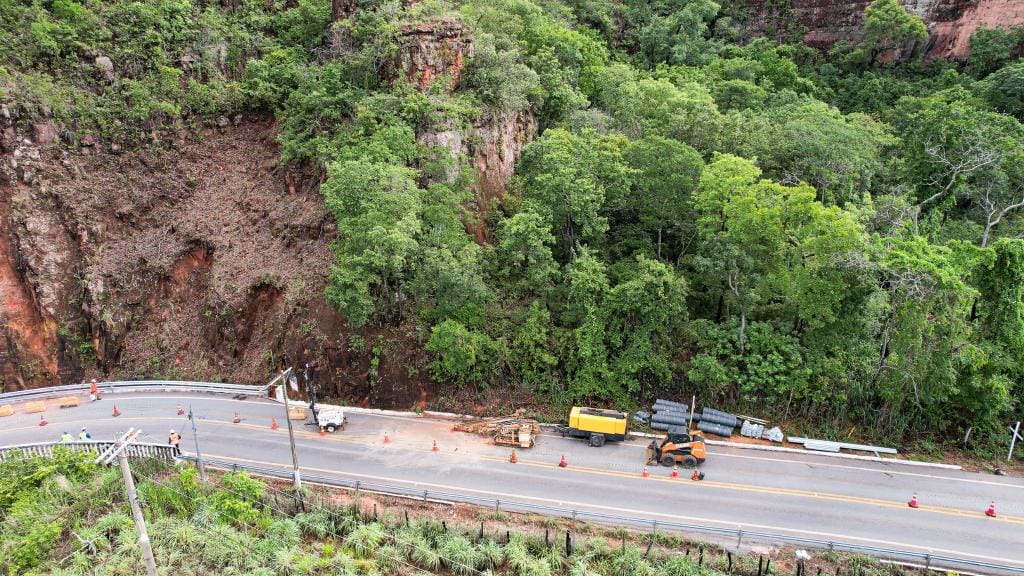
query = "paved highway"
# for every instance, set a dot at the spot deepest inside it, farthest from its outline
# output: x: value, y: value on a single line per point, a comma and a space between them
x: 806, y: 495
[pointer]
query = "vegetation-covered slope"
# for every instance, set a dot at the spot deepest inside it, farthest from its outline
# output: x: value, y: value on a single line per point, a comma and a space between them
x: 826, y: 237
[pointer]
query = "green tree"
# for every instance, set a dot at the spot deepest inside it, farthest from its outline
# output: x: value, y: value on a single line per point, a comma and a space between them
x: 643, y: 316
x: 889, y: 26
x: 566, y: 178
x: 1004, y: 89
x: 462, y: 355
x: 522, y: 254
x: 377, y: 209
x: 666, y: 173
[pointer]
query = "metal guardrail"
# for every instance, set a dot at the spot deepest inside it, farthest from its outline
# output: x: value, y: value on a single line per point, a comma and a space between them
x: 927, y: 559
x: 133, y: 386
x: 45, y: 449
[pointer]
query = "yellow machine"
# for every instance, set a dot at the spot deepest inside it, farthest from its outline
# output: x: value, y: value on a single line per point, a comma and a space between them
x: 598, y: 426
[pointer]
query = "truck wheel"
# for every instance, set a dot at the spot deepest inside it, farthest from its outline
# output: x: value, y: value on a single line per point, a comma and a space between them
x: 689, y: 461
x: 331, y: 428
x: 668, y: 460
x: 597, y: 440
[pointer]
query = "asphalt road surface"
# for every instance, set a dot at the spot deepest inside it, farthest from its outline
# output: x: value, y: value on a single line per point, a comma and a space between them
x: 812, y: 496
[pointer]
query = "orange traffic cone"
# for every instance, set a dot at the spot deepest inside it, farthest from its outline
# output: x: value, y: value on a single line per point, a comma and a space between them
x: 645, y: 473
x: 181, y: 411
x: 513, y: 458
x: 913, y: 501
x: 697, y: 475
x: 322, y: 431
x: 675, y: 471
x: 116, y: 411
x: 273, y: 424
x: 236, y: 419
x: 42, y: 420
x: 434, y: 448
x: 387, y: 439
x: 563, y: 463
x: 991, y: 512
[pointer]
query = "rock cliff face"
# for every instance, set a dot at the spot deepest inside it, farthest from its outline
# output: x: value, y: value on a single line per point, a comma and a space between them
x: 433, y: 50
x: 491, y: 145
x: 950, y: 22
x: 194, y: 259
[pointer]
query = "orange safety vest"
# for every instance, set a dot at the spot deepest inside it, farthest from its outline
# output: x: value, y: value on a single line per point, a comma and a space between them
x: 93, y: 388
x: 174, y: 439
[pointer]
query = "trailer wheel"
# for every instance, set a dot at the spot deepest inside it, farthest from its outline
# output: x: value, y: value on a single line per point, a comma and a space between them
x: 689, y: 461
x: 331, y: 428
x: 597, y: 440
x: 668, y: 460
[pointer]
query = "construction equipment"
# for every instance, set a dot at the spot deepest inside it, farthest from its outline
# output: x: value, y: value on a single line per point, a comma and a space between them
x: 681, y: 449
x: 331, y: 419
x: 511, y: 430
x: 596, y: 425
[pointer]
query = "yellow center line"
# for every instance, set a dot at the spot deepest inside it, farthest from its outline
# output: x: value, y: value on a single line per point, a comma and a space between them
x: 677, y: 517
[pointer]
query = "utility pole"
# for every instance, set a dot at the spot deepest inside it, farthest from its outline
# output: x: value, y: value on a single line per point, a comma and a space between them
x: 140, y: 522
x: 195, y: 438
x: 288, y: 379
x: 118, y: 451
x: 307, y: 375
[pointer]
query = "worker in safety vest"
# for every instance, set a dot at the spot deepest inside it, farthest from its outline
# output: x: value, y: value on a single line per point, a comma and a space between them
x: 94, y: 391
x: 84, y: 435
x: 173, y: 440
x: 66, y: 437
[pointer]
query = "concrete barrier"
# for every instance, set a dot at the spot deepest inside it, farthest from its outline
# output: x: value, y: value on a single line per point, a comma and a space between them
x: 37, y: 406
x: 6, y: 410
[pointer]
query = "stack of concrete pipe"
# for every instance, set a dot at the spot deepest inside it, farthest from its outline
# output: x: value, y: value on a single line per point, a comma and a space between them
x: 717, y: 422
x: 668, y: 415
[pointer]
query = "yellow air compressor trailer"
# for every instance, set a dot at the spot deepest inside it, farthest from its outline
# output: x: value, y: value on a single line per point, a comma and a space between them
x: 596, y: 425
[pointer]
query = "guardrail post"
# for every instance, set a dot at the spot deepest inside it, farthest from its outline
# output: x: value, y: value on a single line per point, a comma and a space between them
x: 927, y: 561
x: 424, y: 495
x: 497, y: 506
x: 358, y: 507
x: 739, y: 538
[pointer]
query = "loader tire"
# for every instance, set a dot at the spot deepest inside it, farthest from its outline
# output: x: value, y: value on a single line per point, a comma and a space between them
x: 597, y: 440
x: 668, y: 460
x: 689, y: 461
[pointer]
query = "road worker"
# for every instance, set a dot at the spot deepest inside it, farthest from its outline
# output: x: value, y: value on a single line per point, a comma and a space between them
x: 84, y: 435
x: 94, y: 391
x: 66, y: 437
x: 173, y: 440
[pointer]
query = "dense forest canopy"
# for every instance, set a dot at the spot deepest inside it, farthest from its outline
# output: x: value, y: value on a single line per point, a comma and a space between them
x: 833, y: 238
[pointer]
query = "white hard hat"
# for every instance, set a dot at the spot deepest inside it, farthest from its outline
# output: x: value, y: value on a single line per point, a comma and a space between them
x: 93, y: 380
x: 172, y: 431
x: 83, y: 427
